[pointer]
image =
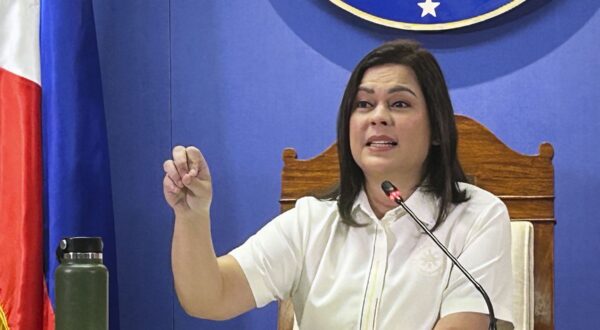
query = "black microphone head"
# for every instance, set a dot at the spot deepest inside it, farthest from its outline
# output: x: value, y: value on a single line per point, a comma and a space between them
x: 391, y: 192
x: 388, y: 187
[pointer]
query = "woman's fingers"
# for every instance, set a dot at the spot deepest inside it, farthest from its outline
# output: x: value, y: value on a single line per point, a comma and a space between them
x: 172, y: 173
x: 198, y: 187
x: 170, y: 186
x: 197, y: 164
x: 180, y: 160
x: 187, y: 179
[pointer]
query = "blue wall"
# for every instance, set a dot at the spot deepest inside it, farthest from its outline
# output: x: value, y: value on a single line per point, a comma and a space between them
x: 244, y: 79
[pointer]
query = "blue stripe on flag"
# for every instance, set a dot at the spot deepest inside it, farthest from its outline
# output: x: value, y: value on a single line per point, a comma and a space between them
x: 77, y: 187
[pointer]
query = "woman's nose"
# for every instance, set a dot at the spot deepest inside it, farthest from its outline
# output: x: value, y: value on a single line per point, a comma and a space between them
x: 381, y: 116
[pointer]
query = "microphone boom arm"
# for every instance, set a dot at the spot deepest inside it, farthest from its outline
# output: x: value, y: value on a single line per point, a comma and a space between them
x: 392, y: 192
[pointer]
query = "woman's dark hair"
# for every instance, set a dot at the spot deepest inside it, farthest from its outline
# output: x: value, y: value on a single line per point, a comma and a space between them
x: 443, y: 170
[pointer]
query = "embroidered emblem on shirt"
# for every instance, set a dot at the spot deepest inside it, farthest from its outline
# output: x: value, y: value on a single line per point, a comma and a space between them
x: 429, y: 260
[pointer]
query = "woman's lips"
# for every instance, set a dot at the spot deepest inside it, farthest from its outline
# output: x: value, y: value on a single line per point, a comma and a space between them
x: 381, y: 141
x: 381, y: 145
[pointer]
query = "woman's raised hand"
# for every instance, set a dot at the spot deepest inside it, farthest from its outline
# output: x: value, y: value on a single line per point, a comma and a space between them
x: 187, y: 185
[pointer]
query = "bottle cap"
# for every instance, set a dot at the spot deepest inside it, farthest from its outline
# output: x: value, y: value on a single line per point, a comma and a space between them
x: 79, y: 245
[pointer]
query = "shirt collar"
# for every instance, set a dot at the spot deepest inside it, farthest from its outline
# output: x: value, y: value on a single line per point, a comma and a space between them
x: 423, y: 204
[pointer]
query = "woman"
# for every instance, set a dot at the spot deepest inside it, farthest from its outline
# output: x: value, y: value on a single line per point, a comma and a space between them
x: 358, y: 261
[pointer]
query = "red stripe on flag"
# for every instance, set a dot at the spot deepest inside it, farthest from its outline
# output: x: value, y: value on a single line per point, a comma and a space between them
x: 23, y: 296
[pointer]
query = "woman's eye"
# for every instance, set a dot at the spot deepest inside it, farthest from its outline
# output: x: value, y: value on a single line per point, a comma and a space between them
x: 363, y: 104
x: 400, y: 104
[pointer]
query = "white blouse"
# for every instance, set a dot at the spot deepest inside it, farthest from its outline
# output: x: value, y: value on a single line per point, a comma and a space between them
x: 388, y: 274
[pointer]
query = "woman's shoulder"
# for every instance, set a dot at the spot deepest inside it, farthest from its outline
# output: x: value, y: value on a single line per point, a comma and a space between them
x: 313, y: 218
x: 315, y: 206
x: 477, y: 194
x: 482, y: 210
x: 481, y: 199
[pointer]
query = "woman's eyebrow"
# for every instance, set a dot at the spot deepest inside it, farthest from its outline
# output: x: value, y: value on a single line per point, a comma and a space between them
x: 366, y: 89
x: 400, y: 88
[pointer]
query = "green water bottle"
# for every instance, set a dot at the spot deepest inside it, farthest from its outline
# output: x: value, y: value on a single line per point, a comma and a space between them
x: 81, y: 282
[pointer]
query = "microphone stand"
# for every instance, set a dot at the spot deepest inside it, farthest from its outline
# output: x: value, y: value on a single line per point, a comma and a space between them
x: 392, y: 192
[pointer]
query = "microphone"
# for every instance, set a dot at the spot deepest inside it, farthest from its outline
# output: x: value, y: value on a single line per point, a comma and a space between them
x: 392, y: 192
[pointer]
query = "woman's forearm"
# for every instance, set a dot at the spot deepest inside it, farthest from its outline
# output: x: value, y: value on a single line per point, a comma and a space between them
x: 198, y: 281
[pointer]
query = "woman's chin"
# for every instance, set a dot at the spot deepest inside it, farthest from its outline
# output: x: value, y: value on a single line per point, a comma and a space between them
x: 380, y: 170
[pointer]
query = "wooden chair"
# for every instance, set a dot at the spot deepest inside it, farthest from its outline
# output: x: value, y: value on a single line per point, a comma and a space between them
x: 525, y: 184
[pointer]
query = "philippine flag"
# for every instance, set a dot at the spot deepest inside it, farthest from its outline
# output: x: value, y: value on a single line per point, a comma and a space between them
x: 54, y: 168
x: 24, y: 302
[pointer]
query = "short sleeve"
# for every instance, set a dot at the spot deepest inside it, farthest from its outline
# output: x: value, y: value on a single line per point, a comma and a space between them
x: 272, y: 258
x: 487, y: 256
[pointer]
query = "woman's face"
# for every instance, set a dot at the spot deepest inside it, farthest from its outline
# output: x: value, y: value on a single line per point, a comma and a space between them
x: 390, y: 133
